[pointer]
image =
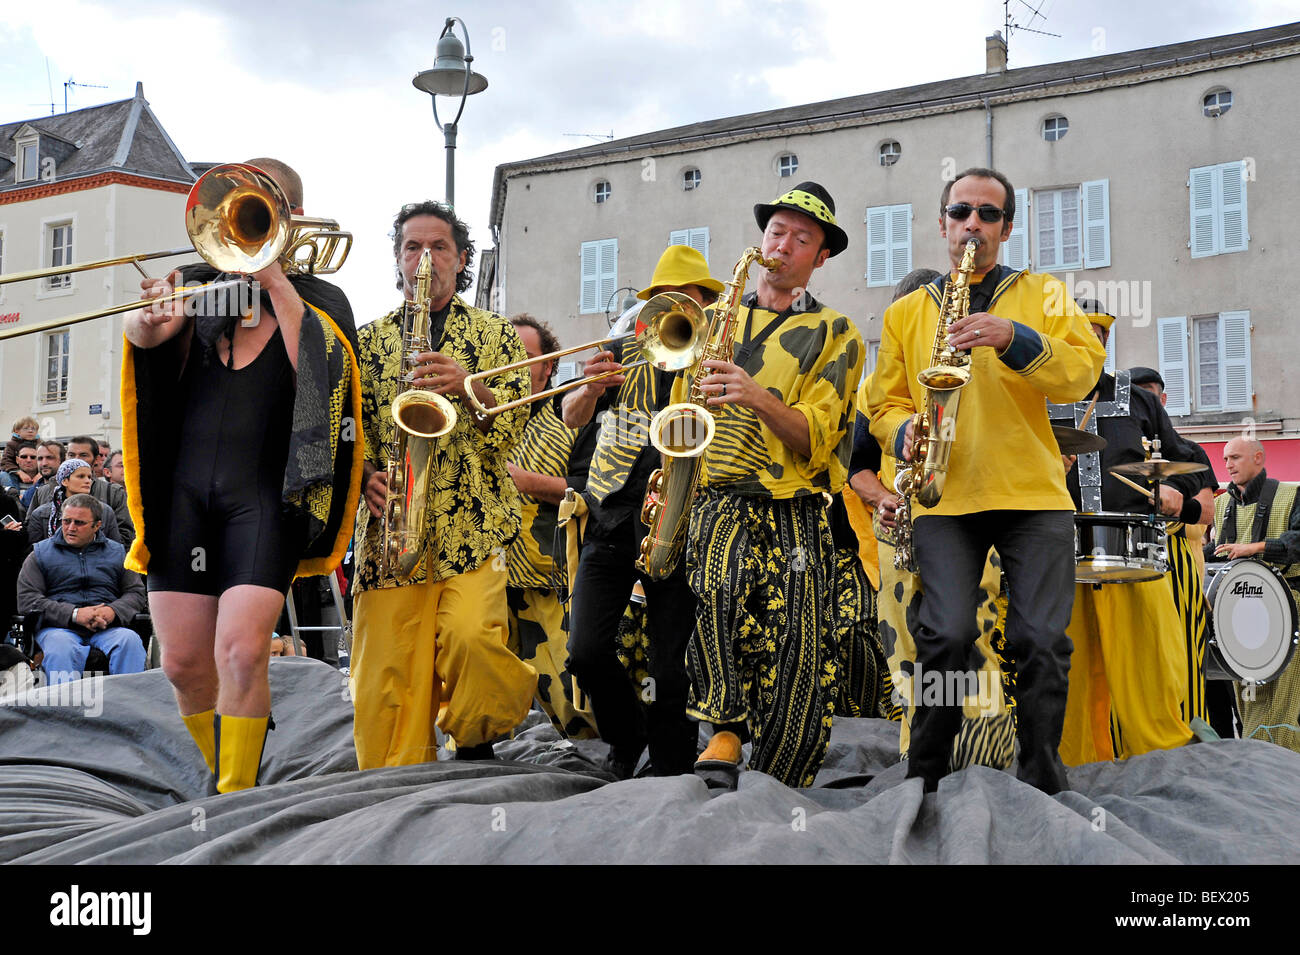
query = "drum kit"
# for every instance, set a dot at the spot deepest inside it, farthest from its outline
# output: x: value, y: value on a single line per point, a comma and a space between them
x: 1254, y: 622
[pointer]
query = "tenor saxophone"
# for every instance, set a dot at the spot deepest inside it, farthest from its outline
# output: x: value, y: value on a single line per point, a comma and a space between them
x: 421, y: 418
x: 683, y: 432
x: 933, y: 434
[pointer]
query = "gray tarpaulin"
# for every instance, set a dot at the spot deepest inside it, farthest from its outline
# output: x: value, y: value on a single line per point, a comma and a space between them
x: 113, y: 777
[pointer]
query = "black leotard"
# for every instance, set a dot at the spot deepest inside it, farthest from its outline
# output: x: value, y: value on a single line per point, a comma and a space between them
x: 226, y: 524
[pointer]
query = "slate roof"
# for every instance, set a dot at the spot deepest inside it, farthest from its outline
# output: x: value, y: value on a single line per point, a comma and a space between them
x: 116, y: 137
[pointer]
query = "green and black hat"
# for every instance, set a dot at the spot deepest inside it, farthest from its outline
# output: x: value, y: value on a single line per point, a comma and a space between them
x: 814, y: 201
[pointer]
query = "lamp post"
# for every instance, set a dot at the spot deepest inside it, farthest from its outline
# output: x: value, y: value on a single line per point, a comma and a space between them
x: 451, y: 76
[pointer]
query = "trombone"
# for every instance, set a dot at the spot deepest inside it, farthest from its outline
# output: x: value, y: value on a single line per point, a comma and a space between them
x: 238, y: 220
x: 670, y: 331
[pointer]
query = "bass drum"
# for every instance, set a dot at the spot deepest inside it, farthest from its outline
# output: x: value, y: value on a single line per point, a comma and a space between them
x: 1253, y: 621
x: 1114, y: 548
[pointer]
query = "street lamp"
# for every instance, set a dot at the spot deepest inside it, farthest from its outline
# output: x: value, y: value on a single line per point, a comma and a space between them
x: 451, y: 76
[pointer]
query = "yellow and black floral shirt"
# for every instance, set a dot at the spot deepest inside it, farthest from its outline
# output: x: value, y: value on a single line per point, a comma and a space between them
x: 473, y: 505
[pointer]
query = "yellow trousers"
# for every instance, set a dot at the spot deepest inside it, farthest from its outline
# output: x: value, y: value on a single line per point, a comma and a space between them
x: 1128, y: 674
x: 434, y: 654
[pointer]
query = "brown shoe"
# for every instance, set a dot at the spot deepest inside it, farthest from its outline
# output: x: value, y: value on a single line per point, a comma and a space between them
x: 723, y: 750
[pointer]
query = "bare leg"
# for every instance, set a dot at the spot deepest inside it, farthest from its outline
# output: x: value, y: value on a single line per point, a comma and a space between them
x: 246, y: 616
x: 186, y: 625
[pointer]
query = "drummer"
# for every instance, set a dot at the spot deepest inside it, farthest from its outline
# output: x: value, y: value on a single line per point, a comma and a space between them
x: 1273, y: 537
x: 1131, y: 676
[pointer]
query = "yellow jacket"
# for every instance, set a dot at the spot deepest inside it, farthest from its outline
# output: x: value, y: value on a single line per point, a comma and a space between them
x: 1004, y: 456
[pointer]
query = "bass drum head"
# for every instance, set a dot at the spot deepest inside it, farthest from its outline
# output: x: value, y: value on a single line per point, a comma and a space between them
x: 1254, y: 622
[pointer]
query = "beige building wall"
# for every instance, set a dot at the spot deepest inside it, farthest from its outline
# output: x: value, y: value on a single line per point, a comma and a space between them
x: 108, y: 221
x: 1143, y: 132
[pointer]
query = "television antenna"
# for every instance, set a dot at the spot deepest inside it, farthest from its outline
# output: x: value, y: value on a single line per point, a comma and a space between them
x: 1008, y: 24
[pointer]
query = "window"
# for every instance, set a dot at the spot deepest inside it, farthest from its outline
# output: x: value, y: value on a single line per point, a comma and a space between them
x: 1109, y: 366
x: 691, y: 179
x: 59, y: 246
x: 1218, y: 208
x: 1056, y: 225
x: 889, y: 244
x: 56, y: 366
x: 1054, y: 128
x: 697, y: 239
x: 890, y: 150
x: 2, y: 262
x: 873, y: 356
x: 1217, y: 103
x: 787, y: 165
x: 602, y: 191
x: 1217, y: 373
x: 28, y: 160
x: 1063, y: 228
x: 599, y: 274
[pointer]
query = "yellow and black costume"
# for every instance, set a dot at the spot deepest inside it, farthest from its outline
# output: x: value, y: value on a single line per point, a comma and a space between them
x: 539, y: 626
x: 760, y: 556
x: 1005, y: 489
x: 1267, y: 510
x: 433, y: 651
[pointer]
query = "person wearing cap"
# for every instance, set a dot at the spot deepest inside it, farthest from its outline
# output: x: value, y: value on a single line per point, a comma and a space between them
x: 1005, y: 482
x: 759, y: 552
x: 616, y: 483
x: 1136, y: 682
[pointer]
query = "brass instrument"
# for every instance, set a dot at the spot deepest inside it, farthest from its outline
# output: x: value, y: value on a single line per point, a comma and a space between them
x: 668, y: 332
x: 933, y: 434
x: 421, y: 418
x: 683, y: 432
x: 238, y: 220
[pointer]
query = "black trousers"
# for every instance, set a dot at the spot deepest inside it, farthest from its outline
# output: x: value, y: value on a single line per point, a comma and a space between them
x: 606, y: 573
x: 1037, y: 553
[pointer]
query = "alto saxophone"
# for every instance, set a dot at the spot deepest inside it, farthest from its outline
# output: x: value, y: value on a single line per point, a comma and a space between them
x: 933, y: 434
x: 421, y: 418
x: 682, y: 432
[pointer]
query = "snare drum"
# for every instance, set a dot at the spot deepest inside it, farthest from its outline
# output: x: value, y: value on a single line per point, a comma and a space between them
x: 1254, y: 622
x: 1112, y: 548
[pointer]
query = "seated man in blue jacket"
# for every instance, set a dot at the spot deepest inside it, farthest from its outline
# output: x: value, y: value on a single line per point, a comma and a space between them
x: 86, y: 598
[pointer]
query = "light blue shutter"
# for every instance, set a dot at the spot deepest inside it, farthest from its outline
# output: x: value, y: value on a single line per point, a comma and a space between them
x: 590, y: 277
x: 1171, y: 343
x: 679, y: 237
x: 1015, y: 251
x: 1201, y: 185
x: 877, y: 246
x: 608, y: 272
x: 699, y: 241
x: 1234, y: 338
x: 900, y: 242
x: 1110, y: 352
x: 1233, y: 236
x: 1096, y: 224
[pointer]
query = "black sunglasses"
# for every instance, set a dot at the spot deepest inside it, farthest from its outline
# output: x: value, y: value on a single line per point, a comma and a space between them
x: 960, y: 212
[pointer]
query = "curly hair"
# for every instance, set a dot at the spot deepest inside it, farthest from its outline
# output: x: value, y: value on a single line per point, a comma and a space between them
x: 459, y: 232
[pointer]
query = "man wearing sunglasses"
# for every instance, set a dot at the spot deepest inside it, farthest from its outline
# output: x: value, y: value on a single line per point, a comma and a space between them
x: 1006, y: 483
x: 86, y: 598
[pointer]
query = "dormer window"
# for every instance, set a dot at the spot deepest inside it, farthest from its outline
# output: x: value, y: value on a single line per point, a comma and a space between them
x: 28, y: 160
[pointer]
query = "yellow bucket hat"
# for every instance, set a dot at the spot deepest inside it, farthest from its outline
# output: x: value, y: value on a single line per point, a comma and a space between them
x: 680, y: 265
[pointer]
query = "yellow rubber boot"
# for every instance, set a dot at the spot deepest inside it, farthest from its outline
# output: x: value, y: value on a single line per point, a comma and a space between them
x: 240, y: 740
x: 202, y: 728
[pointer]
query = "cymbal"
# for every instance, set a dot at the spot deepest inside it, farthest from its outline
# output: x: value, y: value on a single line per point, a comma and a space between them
x: 1074, y: 441
x: 1158, y: 468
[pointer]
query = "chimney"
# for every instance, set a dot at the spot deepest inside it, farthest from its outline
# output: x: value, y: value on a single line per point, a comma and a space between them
x: 995, y: 53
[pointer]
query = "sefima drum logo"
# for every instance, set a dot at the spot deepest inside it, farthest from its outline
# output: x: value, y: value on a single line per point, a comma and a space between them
x: 1244, y: 588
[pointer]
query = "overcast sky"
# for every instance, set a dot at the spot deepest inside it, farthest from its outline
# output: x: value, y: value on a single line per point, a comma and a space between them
x: 326, y: 86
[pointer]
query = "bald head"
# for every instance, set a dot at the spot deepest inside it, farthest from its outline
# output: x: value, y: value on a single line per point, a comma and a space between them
x: 285, y: 177
x: 1244, y: 459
